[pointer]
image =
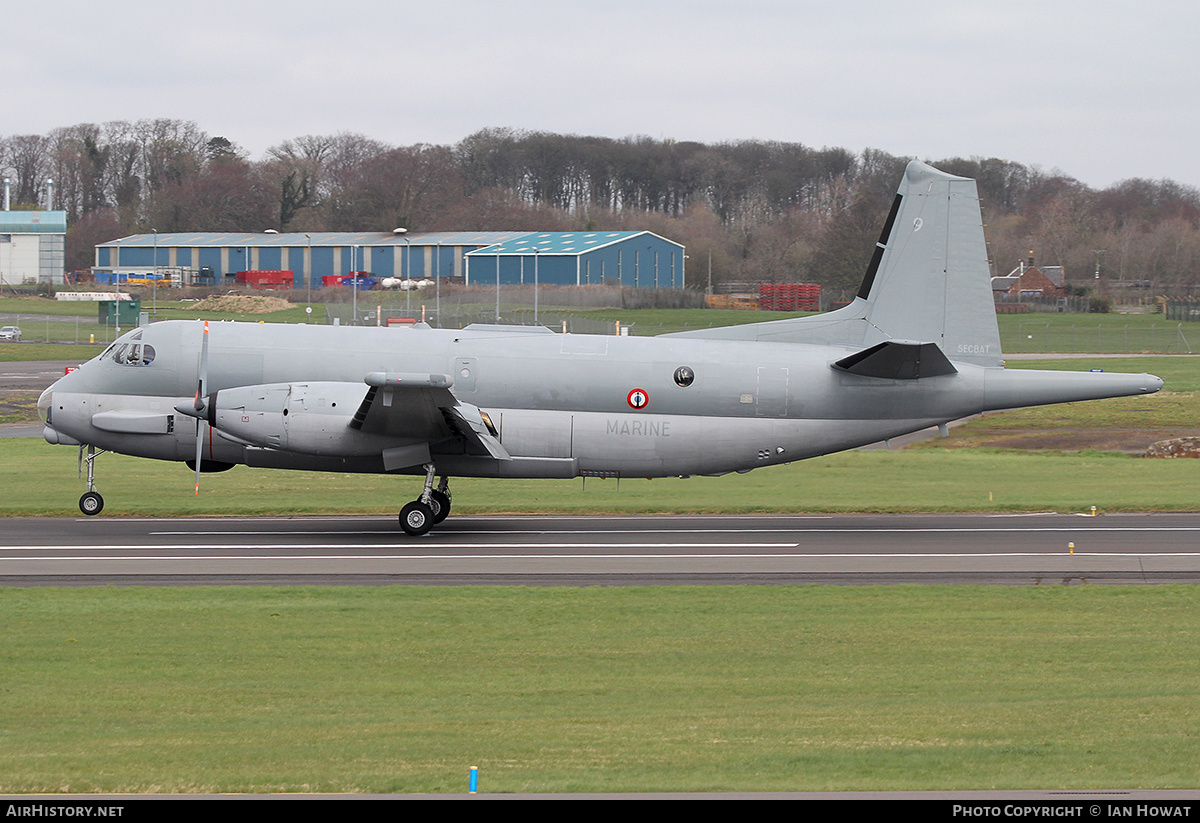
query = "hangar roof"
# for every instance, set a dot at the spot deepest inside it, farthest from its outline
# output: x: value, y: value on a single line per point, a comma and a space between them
x: 27, y: 222
x: 319, y: 238
x: 561, y: 242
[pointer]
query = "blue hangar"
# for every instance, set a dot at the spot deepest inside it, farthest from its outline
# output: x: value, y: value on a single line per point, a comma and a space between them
x: 639, y: 259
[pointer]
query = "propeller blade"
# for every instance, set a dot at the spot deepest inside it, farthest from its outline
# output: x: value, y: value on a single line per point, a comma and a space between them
x: 201, y: 386
x: 199, y: 452
x: 200, y: 402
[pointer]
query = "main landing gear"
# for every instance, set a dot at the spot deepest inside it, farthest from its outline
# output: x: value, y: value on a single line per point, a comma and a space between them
x: 431, y: 508
x: 91, y: 503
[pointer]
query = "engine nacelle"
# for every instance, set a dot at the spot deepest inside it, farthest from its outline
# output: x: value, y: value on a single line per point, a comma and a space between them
x: 311, y: 418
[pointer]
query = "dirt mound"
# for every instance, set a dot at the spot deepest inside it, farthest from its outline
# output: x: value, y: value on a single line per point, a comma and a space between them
x: 1176, y: 447
x: 242, y: 304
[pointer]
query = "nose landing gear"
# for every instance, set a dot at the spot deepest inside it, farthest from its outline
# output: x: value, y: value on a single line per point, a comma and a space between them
x: 91, y: 503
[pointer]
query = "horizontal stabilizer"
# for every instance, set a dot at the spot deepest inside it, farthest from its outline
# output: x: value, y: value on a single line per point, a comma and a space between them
x: 892, y: 360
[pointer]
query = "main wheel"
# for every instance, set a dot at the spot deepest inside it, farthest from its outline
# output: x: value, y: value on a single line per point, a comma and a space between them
x: 416, y: 518
x: 91, y: 503
x: 441, y: 505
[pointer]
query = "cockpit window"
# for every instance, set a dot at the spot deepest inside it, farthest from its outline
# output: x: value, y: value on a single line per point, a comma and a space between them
x: 131, y: 352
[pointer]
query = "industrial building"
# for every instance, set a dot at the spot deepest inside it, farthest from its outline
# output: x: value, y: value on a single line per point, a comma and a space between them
x: 32, y: 247
x: 631, y: 258
x: 640, y: 259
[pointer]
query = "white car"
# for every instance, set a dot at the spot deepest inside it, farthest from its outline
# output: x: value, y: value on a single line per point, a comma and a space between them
x: 10, y: 333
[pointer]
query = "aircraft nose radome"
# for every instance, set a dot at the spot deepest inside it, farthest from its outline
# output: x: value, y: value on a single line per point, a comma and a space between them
x: 43, y: 404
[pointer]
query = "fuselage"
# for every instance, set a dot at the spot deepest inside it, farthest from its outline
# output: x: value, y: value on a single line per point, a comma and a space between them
x: 562, y: 405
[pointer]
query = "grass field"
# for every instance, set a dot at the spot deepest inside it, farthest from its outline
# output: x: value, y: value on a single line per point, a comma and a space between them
x: 41, y: 480
x: 21, y: 352
x: 1069, y: 333
x: 401, y: 689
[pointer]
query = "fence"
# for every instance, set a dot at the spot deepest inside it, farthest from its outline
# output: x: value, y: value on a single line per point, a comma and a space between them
x: 43, y: 328
x: 1186, y: 311
x: 1053, y: 305
x: 1112, y: 337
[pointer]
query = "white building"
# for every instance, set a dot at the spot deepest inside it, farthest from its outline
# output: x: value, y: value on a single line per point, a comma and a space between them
x: 31, y: 247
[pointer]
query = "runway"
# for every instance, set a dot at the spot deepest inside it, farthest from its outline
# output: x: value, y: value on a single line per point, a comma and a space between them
x: 1015, y: 549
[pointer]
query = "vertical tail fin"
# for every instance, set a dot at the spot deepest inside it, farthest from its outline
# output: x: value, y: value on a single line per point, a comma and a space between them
x: 928, y: 280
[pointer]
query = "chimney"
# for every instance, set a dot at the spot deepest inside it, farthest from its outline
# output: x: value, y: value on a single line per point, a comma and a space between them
x: 7, y: 189
x: 49, y: 194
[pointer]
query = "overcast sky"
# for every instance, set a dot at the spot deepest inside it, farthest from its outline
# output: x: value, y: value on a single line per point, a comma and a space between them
x: 1100, y: 91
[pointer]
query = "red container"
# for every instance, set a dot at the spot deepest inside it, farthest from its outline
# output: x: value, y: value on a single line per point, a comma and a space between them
x: 789, y: 296
x: 266, y: 279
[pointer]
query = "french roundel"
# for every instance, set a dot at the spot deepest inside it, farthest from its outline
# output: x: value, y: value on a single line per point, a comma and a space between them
x: 638, y: 399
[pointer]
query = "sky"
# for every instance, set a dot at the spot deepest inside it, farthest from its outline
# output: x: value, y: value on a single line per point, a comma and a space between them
x: 1100, y: 91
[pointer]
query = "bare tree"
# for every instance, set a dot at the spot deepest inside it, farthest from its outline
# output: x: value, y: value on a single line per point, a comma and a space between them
x: 28, y: 155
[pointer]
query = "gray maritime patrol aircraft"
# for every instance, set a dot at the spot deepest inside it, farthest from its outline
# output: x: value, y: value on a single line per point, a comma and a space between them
x: 918, y: 347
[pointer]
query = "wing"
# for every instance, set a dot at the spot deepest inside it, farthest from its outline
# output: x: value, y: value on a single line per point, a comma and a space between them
x: 405, y: 418
x: 422, y: 406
